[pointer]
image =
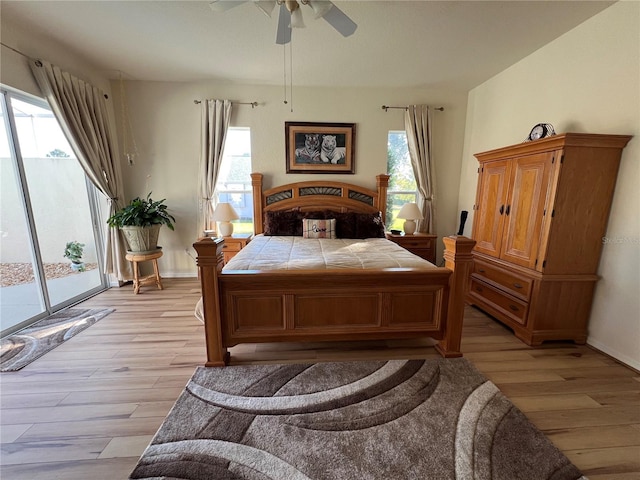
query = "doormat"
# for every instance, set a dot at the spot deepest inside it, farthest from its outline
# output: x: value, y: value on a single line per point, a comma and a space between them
x: 23, y: 347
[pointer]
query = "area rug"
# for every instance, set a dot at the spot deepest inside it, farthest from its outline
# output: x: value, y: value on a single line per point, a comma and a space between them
x: 398, y: 420
x: 20, y: 349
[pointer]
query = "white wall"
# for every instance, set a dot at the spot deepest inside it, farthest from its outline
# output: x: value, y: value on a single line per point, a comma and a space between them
x: 588, y: 80
x: 166, y: 127
x: 15, y: 72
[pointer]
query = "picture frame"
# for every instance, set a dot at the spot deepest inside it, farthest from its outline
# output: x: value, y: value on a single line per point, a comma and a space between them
x: 313, y: 147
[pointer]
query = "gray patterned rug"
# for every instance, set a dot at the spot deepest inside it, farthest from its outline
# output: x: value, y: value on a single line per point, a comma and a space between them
x: 403, y: 419
x: 21, y: 348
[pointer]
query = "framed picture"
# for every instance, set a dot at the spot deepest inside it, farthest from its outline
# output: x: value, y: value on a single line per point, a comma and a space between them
x: 320, y: 147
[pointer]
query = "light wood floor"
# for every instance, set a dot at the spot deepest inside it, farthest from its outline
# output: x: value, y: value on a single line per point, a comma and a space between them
x: 87, y: 409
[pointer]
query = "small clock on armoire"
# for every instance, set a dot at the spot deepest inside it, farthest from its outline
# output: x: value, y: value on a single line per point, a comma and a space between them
x: 541, y: 130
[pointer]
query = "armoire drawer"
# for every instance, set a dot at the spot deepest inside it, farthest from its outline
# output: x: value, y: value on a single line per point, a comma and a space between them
x: 500, y: 301
x: 518, y: 285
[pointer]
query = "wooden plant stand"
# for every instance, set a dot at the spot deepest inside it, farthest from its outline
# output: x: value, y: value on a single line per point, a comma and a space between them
x: 138, y: 257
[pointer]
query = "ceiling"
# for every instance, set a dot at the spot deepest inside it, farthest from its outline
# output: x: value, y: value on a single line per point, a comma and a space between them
x: 399, y: 44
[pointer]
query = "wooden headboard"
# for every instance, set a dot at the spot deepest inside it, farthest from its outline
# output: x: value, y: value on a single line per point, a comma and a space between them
x: 317, y: 195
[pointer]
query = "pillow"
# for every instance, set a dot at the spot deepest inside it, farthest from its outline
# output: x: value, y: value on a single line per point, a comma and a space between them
x: 345, y: 224
x: 317, y: 214
x: 369, y: 225
x: 318, y: 228
x: 282, y: 222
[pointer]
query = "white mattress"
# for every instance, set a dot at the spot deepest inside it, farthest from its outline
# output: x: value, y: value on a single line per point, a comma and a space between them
x: 289, y: 253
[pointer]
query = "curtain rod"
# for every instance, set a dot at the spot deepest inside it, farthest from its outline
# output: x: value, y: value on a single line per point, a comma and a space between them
x: 387, y: 107
x: 15, y: 50
x: 38, y: 62
x: 253, y: 104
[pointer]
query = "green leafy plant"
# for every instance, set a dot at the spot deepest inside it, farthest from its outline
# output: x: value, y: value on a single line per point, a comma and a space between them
x: 73, y: 251
x: 142, y: 212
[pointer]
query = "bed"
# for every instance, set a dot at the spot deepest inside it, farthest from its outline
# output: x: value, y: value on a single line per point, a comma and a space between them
x: 329, y: 302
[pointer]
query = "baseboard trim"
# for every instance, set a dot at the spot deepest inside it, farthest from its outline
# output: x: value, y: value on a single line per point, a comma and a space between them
x: 179, y: 274
x: 618, y: 357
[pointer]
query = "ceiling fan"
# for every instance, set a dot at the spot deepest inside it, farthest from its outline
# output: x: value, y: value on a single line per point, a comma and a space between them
x: 290, y: 15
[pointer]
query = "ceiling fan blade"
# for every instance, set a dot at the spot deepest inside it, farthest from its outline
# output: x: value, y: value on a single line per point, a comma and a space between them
x: 266, y: 6
x: 339, y: 20
x: 320, y: 7
x: 284, y: 26
x: 224, y: 5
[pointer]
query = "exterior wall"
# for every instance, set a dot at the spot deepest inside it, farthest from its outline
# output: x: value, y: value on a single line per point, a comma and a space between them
x: 58, y: 220
x: 588, y: 80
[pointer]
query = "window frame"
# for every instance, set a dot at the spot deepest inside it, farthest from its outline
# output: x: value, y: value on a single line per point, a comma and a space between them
x: 245, y: 223
x: 392, y: 221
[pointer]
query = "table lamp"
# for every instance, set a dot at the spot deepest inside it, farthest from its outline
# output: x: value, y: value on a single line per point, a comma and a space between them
x: 223, y: 214
x: 410, y: 213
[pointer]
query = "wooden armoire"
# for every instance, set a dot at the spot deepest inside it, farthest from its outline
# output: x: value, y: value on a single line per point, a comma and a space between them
x: 539, y: 220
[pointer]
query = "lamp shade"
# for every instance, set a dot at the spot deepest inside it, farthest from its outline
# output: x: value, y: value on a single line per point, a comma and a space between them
x: 410, y: 211
x: 224, y: 212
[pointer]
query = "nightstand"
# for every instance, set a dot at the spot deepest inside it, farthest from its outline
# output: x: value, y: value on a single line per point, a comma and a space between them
x: 233, y: 244
x: 421, y: 244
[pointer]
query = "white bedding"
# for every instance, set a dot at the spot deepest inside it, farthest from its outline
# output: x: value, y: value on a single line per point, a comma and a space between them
x: 289, y: 253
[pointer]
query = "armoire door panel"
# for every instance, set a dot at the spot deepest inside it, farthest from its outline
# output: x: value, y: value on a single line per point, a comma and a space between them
x: 525, y: 208
x: 489, y: 216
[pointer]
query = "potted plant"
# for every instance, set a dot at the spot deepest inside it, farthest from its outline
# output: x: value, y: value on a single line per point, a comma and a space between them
x: 140, y: 221
x: 73, y: 251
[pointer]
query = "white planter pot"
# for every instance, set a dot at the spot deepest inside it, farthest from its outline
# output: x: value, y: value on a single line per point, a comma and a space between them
x: 78, y: 267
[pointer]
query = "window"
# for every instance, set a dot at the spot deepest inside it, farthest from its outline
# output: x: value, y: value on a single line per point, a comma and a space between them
x: 402, y: 184
x: 234, y: 180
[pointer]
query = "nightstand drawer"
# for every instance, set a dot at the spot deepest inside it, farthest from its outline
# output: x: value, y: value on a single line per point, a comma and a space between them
x: 232, y: 245
x: 420, y: 244
x: 429, y: 254
x: 416, y: 242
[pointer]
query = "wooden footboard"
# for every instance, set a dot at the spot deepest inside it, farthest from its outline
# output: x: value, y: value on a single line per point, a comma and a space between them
x: 317, y: 305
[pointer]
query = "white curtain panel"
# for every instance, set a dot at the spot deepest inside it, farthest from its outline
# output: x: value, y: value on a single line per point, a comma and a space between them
x: 417, y: 124
x: 81, y: 111
x: 216, y: 115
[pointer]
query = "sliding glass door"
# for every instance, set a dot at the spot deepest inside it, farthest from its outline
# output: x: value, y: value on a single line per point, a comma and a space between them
x: 49, y: 218
x: 20, y: 293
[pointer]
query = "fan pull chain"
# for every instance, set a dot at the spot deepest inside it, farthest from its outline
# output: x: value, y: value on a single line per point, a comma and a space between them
x: 284, y: 72
x: 291, y: 70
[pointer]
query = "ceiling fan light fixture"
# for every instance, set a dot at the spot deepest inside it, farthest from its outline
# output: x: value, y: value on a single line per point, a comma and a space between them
x: 265, y: 6
x: 296, y: 19
x: 319, y: 7
x: 291, y: 5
